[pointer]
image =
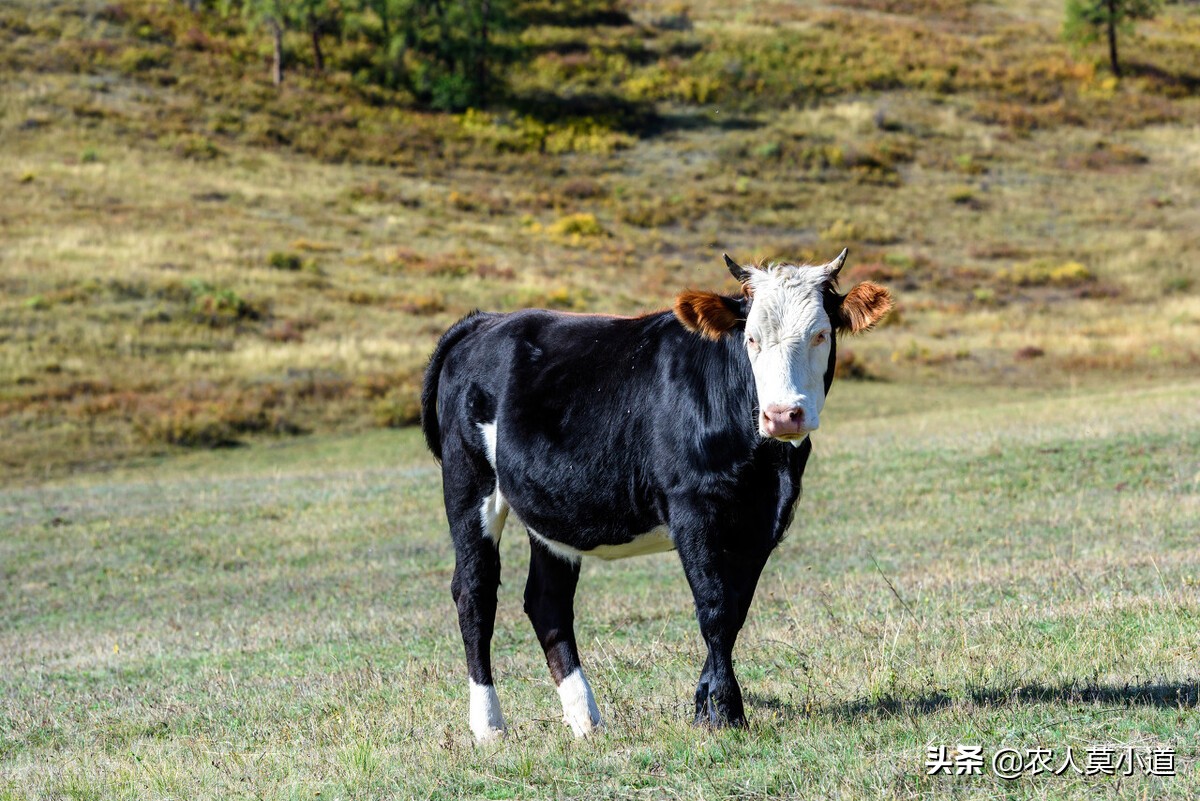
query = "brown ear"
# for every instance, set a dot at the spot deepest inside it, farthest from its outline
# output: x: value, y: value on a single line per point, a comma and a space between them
x: 706, y: 313
x: 863, y: 307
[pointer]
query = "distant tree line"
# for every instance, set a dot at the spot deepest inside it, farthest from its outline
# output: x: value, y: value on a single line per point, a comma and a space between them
x: 447, y: 53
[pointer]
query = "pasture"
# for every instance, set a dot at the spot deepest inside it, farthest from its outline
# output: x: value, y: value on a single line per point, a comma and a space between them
x: 997, y: 541
x: 1001, y: 569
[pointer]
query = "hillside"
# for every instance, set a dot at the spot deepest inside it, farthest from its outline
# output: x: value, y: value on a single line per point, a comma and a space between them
x: 190, y: 257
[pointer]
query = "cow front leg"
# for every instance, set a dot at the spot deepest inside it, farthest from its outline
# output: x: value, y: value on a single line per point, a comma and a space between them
x: 722, y: 586
x: 718, y: 695
x: 550, y: 604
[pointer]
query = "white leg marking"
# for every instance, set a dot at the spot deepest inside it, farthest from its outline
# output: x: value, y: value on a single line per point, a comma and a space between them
x: 493, y: 514
x: 579, y: 705
x: 487, y: 721
x: 495, y: 510
x: 489, y: 442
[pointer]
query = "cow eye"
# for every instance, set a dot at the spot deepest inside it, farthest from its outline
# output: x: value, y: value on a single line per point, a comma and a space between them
x: 819, y: 338
x: 751, y: 341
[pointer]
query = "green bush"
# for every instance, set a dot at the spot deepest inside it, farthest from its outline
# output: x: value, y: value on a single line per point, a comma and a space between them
x: 282, y: 260
x: 219, y: 307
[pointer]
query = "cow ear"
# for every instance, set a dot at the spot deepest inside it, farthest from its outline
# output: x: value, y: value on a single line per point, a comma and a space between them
x: 863, y: 307
x: 707, y: 313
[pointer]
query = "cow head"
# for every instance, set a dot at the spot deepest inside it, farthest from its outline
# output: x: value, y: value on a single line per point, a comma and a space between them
x: 789, y: 317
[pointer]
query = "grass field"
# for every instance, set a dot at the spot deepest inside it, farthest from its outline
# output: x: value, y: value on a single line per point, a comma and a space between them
x: 275, y: 622
x: 997, y: 545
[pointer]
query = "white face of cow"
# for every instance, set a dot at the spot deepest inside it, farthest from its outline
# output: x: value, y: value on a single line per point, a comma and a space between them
x: 788, y: 339
x: 788, y: 333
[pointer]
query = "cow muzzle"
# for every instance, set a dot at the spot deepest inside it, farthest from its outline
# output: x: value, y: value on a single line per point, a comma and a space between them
x: 782, y: 421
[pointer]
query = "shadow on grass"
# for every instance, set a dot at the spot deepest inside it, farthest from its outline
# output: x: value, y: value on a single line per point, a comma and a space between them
x: 639, y: 118
x: 1181, y: 695
x: 1175, y: 82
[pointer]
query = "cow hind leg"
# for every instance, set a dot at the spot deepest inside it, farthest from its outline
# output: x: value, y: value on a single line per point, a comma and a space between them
x: 477, y: 517
x: 550, y: 604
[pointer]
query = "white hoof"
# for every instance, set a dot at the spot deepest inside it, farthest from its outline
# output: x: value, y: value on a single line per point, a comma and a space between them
x: 489, y: 735
x: 487, y: 721
x: 579, y: 705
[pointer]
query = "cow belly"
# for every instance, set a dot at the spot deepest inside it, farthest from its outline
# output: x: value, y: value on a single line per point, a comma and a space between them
x: 657, y: 540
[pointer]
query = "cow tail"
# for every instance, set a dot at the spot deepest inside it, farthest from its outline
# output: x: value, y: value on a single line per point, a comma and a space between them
x: 433, y: 374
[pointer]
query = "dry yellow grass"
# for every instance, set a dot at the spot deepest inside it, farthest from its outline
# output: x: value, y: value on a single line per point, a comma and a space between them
x: 139, y: 296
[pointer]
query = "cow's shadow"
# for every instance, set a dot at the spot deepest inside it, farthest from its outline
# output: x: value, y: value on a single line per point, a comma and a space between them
x: 1164, y: 695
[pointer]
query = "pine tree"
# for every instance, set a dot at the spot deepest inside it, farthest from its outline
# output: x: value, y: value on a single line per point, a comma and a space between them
x: 1087, y: 20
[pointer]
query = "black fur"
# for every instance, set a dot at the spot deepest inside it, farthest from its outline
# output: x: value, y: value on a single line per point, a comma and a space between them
x: 429, y: 389
x: 608, y: 427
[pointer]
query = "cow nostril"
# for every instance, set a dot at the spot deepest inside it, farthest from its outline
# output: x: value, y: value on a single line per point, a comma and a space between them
x: 783, y: 419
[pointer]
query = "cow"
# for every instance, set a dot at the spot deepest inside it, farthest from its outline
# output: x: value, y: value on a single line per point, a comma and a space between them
x: 686, y: 429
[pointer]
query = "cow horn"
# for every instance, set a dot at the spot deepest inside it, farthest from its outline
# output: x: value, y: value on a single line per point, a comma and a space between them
x: 738, y: 271
x: 835, y: 266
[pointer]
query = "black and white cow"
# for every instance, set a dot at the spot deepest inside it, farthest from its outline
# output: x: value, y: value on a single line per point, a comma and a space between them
x: 619, y: 436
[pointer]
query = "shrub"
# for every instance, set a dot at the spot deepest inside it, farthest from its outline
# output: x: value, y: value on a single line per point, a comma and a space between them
x: 844, y: 231
x: 1177, y: 284
x: 850, y: 365
x: 581, y: 189
x: 195, y: 148
x: 1042, y: 272
x: 219, y: 307
x: 134, y: 60
x: 455, y: 264
x: 189, y: 429
x: 280, y: 260
x: 423, y: 304
x: 575, y: 226
x: 650, y: 215
x: 1106, y: 155
x: 398, y: 410
x: 962, y: 194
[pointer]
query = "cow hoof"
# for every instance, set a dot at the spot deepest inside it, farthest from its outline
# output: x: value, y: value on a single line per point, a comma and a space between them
x: 578, y: 704
x: 713, y: 716
x: 489, y: 735
x: 718, y: 722
x: 583, y: 727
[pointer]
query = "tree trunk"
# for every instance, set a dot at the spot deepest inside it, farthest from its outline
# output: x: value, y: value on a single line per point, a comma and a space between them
x: 314, y: 29
x: 277, y: 41
x: 385, y: 21
x: 1112, y: 38
x: 481, y: 61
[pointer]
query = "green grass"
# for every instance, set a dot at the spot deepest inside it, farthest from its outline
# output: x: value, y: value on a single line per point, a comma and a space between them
x: 275, y: 622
